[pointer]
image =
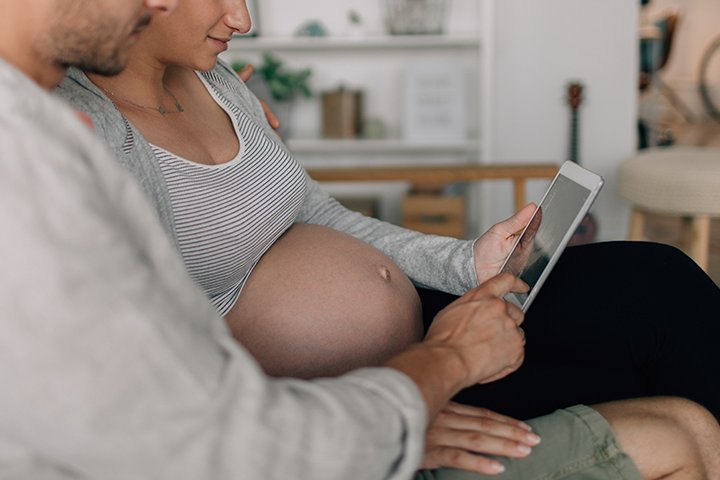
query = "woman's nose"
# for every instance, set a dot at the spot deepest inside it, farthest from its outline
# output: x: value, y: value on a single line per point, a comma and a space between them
x: 238, y: 16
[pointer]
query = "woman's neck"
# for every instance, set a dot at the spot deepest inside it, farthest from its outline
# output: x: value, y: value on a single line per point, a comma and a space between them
x: 143, y: 85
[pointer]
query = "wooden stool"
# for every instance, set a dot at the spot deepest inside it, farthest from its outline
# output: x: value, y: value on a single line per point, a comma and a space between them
x: 680, y: 181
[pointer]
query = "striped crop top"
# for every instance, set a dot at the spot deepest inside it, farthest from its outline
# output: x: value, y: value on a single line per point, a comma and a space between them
x: 227, y: 216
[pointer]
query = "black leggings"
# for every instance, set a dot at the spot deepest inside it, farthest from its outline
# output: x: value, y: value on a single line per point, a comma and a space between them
x: 614, y: 320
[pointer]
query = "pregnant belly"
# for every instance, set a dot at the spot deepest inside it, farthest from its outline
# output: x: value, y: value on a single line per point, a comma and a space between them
x: 321, y: 302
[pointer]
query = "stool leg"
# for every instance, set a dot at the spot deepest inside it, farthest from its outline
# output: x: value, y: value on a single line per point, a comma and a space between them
x: 637, y: 225
x: 696, y: 233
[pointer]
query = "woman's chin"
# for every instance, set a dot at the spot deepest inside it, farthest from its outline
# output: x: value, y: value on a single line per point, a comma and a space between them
x: 206, y: 65
x: 321, y: 302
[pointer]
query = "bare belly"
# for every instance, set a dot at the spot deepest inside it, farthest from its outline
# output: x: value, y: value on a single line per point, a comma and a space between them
x: 321, y: 302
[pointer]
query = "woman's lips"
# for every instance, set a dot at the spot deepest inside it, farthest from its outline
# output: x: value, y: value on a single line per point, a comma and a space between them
x: 220, y: 43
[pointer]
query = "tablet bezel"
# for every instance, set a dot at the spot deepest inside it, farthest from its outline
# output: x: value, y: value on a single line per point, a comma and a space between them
x: 581, y: 176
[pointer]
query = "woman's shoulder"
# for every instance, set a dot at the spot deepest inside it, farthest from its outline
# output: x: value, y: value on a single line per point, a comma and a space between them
x: 224, y: 79
x: 77, y: 89
x: 227, y: 82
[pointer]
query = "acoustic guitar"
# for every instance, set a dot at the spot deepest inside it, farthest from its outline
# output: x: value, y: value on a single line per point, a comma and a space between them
x: 587, y: 230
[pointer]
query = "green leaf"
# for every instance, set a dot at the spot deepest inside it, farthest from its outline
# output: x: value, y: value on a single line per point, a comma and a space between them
x: 284, y: 84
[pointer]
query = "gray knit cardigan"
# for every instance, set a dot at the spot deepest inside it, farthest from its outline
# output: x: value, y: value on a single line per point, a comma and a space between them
x: 430, y: 261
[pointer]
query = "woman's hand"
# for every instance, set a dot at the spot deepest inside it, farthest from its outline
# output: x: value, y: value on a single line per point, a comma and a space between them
x: 245, y: 74
x: 462, y: 436
x: 491, y: 249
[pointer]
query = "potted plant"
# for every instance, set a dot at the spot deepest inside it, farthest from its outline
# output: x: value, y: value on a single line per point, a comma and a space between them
x: 278, y: 85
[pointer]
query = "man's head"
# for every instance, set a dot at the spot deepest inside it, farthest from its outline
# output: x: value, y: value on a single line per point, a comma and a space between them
x: 47, y: 36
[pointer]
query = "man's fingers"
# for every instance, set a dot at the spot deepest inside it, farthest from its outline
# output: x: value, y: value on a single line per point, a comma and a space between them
x: 472, y: 411
x: 85, y: 118
x: 480, y: 442
x: 503, y: 428
x: 272, y: 119
x: 463, y: 460
x: 462, y: 435
x: 516, y: 314
x: 246, y: 72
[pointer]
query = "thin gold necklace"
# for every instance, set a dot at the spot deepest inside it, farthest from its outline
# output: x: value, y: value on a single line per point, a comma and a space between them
x: 161, y: 109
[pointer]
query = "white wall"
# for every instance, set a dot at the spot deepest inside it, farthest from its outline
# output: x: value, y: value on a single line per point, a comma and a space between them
x: 540, y: 46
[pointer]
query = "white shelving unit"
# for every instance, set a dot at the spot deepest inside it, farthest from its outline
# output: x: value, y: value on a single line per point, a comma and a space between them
x: 323, y: 55
x: 289, y: 44
x: 376, y: 65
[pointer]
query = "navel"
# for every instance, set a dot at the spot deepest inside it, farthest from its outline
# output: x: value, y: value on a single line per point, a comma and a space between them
x: 384, y: 272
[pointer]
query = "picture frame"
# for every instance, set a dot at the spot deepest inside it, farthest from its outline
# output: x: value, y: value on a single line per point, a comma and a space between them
x: 434, y: 103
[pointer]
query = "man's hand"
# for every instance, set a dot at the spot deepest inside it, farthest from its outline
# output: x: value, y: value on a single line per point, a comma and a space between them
x: 462, y: 436
x: 475, y: 339
x: 491, y: 249
x: 245, y: 74
x: 483, y: 329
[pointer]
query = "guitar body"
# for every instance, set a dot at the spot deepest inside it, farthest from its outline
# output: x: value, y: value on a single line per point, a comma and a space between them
x: 587, y: 230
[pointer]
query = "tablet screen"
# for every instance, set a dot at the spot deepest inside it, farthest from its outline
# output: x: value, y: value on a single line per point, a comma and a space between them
x: 545, y: 232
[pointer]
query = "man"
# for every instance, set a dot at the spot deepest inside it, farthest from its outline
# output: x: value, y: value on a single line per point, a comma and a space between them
x: 114, y: 365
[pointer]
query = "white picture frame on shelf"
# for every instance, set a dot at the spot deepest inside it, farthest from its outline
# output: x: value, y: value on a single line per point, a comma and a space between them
x: 435, y: 102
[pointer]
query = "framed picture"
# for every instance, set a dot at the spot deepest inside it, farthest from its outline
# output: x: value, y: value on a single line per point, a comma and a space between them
x: 434, y: 106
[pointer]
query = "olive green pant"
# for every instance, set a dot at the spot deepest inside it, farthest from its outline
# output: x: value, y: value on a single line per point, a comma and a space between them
x: 577, y: 443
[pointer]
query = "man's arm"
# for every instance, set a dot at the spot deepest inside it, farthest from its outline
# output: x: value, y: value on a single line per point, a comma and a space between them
x: 114, y: 364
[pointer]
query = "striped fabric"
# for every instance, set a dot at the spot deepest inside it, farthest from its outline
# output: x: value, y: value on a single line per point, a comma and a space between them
x: 228, y: 215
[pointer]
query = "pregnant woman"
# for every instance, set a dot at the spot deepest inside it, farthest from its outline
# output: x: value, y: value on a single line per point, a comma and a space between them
x: 312, y: 289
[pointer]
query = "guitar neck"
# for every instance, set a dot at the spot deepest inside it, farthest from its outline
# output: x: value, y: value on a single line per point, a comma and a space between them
x: 574, y: 99
x: 574, y: 150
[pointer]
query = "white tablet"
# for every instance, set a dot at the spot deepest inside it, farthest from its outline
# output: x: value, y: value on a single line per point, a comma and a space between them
x: 544, y: 238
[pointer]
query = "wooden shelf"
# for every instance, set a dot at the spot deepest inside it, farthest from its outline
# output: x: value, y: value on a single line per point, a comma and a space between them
x: 244, y: 44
